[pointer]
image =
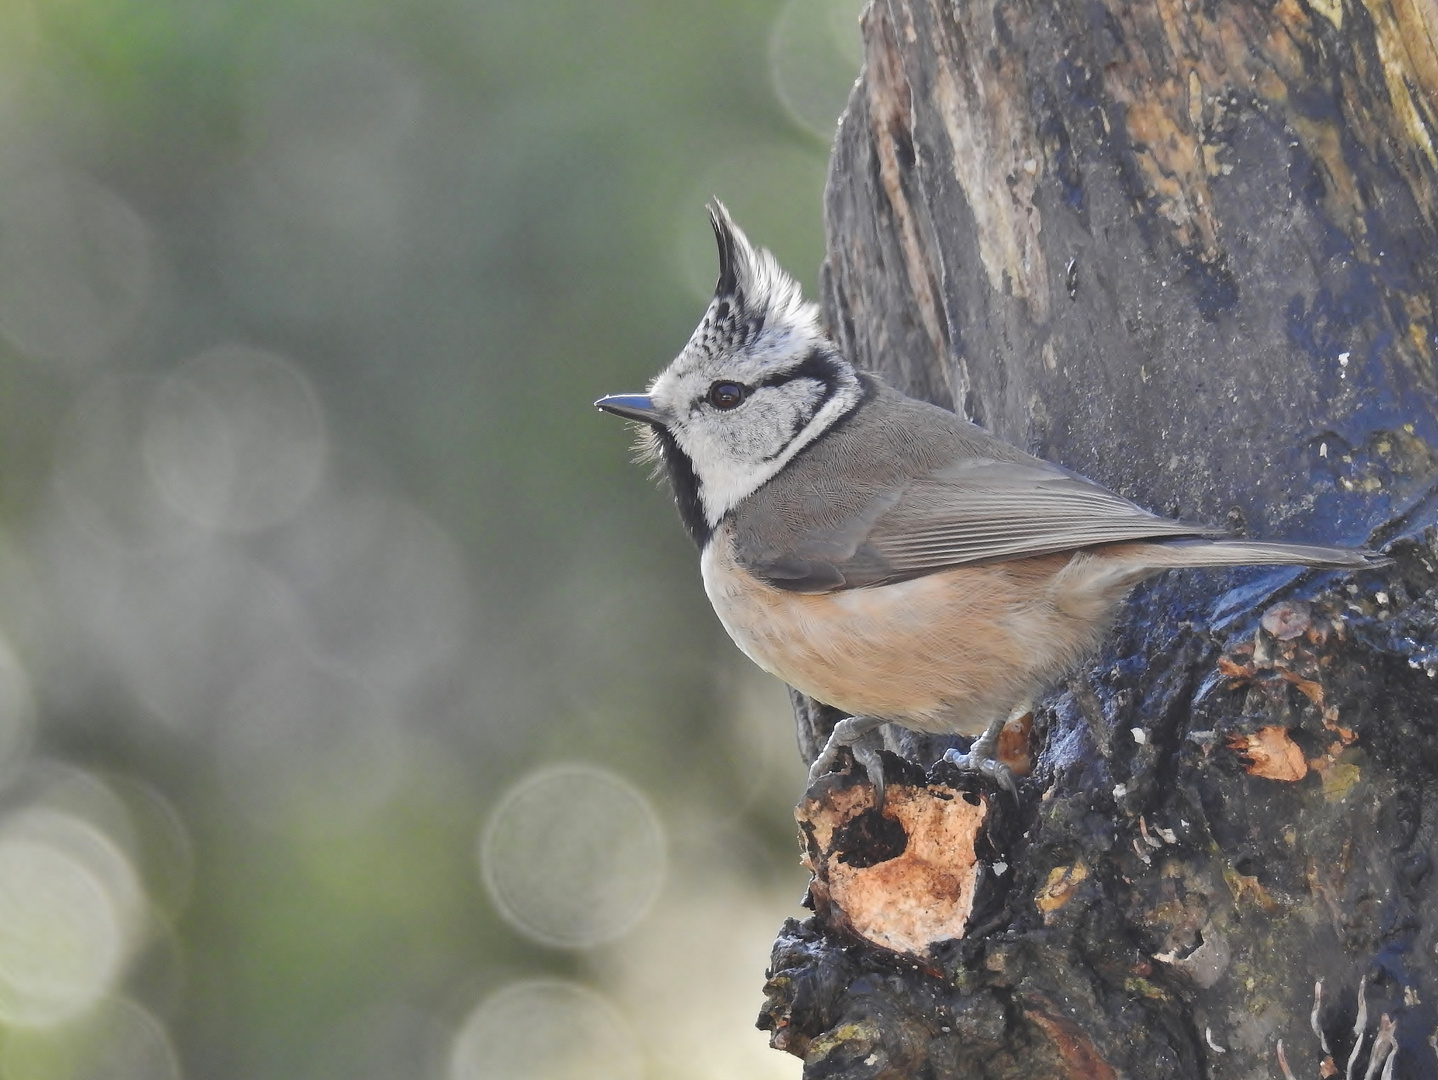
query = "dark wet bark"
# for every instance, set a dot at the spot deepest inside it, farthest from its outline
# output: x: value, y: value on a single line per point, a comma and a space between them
x: 1191, y: 251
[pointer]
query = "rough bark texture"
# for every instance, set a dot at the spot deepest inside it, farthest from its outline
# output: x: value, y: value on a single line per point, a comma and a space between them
x: 1190, y: 250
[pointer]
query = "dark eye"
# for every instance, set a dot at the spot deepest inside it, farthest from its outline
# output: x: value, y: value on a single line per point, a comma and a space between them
x: 727, y: 395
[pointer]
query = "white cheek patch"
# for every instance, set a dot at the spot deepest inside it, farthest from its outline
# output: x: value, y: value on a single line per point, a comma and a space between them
x: 735, y: 453
x: 776, y: 419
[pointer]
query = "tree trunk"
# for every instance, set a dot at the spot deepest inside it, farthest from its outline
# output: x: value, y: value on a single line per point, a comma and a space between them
x: 1190, y: 250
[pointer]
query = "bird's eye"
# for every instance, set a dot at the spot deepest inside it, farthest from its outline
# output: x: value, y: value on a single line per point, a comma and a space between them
x: 727, y: 395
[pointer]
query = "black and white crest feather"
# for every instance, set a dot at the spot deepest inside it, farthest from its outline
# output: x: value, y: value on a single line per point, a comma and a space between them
x: 759, y: 333
x: 724, y: 236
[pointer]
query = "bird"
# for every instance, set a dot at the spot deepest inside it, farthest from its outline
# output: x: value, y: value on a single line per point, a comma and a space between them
x: 880, y: 553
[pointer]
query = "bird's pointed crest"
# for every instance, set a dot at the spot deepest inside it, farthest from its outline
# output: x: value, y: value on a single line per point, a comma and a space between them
x: 732, y: 247
x: 759, y: 337
x: 752, y: 286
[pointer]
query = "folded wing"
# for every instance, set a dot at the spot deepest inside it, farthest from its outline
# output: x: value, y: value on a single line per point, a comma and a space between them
x: 972, y: 510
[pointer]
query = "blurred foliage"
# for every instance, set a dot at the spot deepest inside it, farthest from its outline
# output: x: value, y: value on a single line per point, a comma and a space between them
x: 290, y: 699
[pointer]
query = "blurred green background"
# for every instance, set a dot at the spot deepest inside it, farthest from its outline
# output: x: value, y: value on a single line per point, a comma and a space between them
x: 361, y: 713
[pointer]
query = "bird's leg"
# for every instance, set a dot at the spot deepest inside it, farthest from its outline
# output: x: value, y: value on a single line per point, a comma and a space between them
x: 848, y: 732
x: 982, y: 757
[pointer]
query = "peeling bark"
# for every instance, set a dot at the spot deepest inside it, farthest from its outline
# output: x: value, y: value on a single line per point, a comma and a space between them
x: 1191, y: 251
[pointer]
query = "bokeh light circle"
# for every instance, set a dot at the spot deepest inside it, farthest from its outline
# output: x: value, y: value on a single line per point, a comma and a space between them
x: 234, y: 439
x: 384, y: 588
x: 164, y: 851
x: 69, y: 913
x: 58, y: 795
x: 573, y: 856
x: 119, y: 1040
x: 545, y: 1029
x: 815, y: 54
x: 74, y: 266
x: 185, y: 631
x: 100, y: 475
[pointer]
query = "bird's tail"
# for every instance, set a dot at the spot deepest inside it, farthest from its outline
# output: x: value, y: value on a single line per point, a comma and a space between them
x: 1176, y: 553
x: 1118, y: 567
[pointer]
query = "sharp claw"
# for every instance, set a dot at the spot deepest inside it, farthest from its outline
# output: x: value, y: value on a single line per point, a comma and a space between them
x: 987, y: 766
x: 820, y: 768
x: 871, y: 761
x: 1005, y: 777
x: 874, y: 766
x: 848, y: 732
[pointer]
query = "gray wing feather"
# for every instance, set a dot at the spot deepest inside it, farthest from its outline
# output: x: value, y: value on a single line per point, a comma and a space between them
x: 957, y: 497
x: 1006, y: 510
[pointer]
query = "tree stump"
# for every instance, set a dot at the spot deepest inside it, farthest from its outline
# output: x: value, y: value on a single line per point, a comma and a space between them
x: 1190, y: 250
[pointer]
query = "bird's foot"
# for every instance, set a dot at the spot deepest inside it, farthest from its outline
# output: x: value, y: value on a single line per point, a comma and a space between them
x: 982, y: 759
x: 993, y: 768
x: 851, y: 732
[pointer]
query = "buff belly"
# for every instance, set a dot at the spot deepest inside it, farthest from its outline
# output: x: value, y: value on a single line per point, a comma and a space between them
x: 943, y: 653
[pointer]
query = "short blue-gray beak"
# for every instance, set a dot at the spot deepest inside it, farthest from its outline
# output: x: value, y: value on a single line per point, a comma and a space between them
x: 639, y: 407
